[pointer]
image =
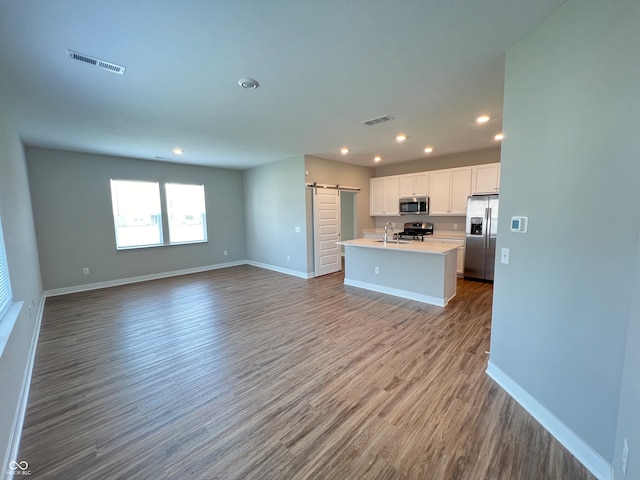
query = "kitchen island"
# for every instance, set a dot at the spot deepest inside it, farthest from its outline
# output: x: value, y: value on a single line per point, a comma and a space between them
x: 420, y: 271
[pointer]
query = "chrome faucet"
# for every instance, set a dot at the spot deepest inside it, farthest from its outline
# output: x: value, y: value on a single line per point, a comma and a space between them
x: 386, y: 227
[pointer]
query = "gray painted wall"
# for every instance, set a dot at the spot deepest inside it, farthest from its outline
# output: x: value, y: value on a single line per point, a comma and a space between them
x: 22, y: 257
x: 628, y: 418
x: 570, y: 163
x: 275, y: 205
x: 74, y: 222
x: 348, y: 215
x: 439, y: 162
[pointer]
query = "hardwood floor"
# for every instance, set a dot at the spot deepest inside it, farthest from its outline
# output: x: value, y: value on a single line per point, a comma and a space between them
x: 244, y: 373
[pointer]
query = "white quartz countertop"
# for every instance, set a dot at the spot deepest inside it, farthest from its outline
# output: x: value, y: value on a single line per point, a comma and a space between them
x: 406, y: 246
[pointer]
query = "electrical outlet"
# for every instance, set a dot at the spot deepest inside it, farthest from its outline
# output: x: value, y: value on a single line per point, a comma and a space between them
x: 376, y: 270
x: 226, y: 253
x: 288, y: 258
x: 297, y: 229
x: 455, y: 226
x: 625, y: 457
x: 85, y: 271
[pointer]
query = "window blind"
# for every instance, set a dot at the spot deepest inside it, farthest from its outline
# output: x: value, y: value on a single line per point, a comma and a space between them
x: 5, y: 284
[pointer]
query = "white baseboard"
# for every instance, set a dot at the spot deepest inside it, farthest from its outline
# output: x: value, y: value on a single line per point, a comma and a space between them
x: 21, y: 407
x: 141, y: 278
x: 286, y: 271
x: 572, y: 442
x: 439, y: 302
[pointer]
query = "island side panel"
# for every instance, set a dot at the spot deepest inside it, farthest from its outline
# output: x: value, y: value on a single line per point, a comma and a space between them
x: 415, y: 275
x: 450, y: 275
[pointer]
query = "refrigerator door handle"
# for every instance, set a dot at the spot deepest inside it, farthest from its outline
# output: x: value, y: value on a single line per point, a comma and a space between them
x: 487, y: 231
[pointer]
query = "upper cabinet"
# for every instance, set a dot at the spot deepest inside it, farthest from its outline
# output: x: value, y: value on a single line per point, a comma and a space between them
x: 485, y: 178
x: 384, y: 194
x: 414, y: 184
x: 448, y: 191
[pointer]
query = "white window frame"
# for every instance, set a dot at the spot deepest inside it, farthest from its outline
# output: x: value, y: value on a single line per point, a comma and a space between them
x: 154, y: 204
x: 6, y: 298
x: 171, y: 211
x: 164, y: 222
x: 9, y: 310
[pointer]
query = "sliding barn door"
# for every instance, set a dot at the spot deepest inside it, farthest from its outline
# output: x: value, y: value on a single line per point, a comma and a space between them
x: 326, y: 230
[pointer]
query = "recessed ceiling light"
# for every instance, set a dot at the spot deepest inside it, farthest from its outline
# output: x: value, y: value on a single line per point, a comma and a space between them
x: 428, y: 150
x: 498, y: 137
x: 248, y: 83
x: 344, y: 150
x: 178, y: 151
x: 401, y: 138
x: 377, y: 158
x: 483, y: 119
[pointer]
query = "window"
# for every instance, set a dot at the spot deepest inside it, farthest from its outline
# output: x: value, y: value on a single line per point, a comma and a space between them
x: 186, y: 213
x: 136, y: 213
x: 5, y: 284
x: 141, y: 221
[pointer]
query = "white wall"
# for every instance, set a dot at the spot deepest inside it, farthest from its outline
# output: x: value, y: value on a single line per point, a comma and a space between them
x: 274, y: 206
x: 22, y: 253
x: 570, y: 163
x: 74, y: 220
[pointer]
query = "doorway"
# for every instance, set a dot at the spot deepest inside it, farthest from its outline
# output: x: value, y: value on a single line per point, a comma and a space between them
x: 334, y: 219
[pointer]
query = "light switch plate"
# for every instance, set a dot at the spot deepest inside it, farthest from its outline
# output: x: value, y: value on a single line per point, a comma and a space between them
x: 504, y: 256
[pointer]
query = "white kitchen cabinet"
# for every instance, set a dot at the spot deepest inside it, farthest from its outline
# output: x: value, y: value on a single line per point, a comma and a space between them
x: 448, y: 191
x: 384, y: 195
x: 460, y: 267
x: 485, y: 178
x: 414, y: 184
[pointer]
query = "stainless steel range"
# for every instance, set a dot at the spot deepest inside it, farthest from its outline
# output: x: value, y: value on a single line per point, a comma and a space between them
x: 415, y: 231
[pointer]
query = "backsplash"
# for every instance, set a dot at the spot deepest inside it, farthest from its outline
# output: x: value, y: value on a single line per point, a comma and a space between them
x: 453, y: 226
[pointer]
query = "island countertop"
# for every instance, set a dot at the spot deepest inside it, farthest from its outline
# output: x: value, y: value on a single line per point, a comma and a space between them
x: 407, y: 246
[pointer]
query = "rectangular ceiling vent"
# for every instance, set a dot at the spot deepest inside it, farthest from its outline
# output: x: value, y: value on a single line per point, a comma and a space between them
x: 375, y: 121
x: 111, y: 67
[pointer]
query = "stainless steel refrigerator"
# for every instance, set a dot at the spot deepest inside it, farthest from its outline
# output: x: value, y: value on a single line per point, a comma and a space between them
x: 481, y: 230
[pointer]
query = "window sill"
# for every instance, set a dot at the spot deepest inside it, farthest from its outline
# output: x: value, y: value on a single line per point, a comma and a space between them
x: 159, y: 245
x: 7, y: 322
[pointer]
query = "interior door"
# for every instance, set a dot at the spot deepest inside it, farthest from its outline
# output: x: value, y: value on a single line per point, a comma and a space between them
x: 326, y: 231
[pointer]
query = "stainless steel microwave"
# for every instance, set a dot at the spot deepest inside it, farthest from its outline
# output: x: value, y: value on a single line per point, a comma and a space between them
x: 414, y: 205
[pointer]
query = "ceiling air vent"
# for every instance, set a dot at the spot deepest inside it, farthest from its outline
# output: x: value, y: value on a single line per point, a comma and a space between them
x: 111, y: 67
x: 375, y: 121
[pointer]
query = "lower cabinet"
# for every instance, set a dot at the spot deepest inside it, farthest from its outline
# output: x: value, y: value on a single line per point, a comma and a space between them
x: 460, y: 268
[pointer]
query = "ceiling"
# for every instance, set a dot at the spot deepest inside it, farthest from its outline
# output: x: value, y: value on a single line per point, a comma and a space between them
x: 324, y: 67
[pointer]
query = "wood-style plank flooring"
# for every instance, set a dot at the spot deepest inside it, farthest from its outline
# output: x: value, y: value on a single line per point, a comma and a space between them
x: 244, y: 373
